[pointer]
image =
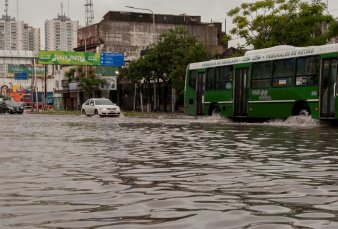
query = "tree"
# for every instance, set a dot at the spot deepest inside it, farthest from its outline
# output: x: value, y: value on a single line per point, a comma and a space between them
x: 267, y: 23
x: 88, y: 84
x: 141, y: 69
x: 167, y: 60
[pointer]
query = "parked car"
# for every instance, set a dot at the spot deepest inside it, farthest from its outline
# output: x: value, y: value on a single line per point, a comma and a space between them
x: 12, y: 107
x: 101, y: 107
x: 3, y: 108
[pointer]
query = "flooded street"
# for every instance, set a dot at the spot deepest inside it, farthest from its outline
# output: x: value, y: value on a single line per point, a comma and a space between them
x: 88, y: 172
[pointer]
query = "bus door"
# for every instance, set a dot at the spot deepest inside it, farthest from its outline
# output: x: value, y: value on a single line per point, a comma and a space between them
x: 241, y: 92
x: 200, y: 89
x: 328, y: 84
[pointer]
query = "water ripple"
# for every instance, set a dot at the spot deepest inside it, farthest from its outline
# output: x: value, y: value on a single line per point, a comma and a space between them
x: 79, y: 172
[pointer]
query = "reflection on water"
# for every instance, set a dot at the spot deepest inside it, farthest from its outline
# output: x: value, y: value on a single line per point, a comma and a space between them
x: 80, y: 172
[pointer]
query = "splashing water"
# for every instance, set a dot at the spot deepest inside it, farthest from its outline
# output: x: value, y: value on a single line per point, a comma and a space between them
x: 295, y: 121
x: 217, y: 118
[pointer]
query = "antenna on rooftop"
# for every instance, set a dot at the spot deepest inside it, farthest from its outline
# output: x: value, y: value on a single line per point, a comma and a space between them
x: 62, y: 9
x: 6, y: 8
x: 89, y: 12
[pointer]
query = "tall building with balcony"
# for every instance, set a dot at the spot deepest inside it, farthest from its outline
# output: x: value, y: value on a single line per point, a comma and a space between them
x: 16, y: 35
x: 61, y: 33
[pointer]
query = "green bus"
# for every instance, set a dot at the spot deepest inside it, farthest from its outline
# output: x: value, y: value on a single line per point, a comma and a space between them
x: 272, y: 83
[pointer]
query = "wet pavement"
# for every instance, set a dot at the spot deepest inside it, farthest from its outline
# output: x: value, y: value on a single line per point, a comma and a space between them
x: 90, y: 172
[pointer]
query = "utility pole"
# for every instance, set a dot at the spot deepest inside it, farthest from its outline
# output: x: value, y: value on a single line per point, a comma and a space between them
x: 46, y: 96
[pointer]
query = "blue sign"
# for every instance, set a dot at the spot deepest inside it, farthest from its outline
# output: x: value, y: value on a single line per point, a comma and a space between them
x: 21, y: 76
x: 112, y: 59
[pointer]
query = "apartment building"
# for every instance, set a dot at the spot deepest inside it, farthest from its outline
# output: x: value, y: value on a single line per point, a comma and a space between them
x: 61, y: 33
x: 17, y: 35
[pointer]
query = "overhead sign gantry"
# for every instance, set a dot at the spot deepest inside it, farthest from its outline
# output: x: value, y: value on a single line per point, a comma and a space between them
x: 81, y: 58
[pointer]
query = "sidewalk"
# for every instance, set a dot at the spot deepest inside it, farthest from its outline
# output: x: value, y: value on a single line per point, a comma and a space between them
x: 156, y: 114
x: 127, y: 114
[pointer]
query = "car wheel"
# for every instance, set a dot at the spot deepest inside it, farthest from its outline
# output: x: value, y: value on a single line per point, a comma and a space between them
x: 83, y: 112
x: 96, y: 112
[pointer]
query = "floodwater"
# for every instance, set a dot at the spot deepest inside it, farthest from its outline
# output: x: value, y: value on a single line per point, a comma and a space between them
x: 75, y: 172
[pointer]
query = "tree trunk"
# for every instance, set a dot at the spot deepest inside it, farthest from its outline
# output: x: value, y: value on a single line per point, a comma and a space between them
x: 141, y: 97
x: 149, y: 97
x: 173, y: 99
x: 159, y: 93
x: 165, y: 97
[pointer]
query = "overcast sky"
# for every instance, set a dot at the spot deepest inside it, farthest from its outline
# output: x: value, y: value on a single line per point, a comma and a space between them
x: 35, y: 12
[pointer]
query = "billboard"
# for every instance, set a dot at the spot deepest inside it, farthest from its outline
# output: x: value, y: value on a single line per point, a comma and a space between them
x: 69, y: 58
x: 111, y: 83
x: 19, y: 71
x: 21, y: 76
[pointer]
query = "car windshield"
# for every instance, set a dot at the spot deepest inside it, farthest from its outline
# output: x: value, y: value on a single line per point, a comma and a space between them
x: 103, y: 102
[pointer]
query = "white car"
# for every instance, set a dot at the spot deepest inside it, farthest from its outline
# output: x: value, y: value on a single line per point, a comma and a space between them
x: 101, y: 107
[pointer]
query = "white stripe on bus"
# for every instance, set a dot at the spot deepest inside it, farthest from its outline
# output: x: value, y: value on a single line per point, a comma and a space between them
x: 273, y: 101
x: 268, y: 101
x: 219, y: 102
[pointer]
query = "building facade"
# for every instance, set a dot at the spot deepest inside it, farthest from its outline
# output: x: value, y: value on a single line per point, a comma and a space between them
x: 61, y: 33
x: 17, y: 37
x: 131, y: 32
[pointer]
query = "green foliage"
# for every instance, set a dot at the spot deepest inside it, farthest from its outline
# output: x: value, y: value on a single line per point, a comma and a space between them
x: 168, y: 59
x: 89, y: 84
x: 70, y: 75
x: 267, y: 23
x: 87, y: 81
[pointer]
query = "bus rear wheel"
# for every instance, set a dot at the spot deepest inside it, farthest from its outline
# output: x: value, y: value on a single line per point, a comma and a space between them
x: 215, y: 111
x: 304, y: 111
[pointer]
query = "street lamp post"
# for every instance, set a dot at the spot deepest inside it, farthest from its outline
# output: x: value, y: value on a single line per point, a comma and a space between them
x: 85, y: 49
x: 152, y: 12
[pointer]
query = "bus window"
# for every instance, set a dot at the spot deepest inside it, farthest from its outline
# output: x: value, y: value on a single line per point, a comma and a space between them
x: 307, y: 71
x: 223, y: 78
x: 192, y: 79
x: 283, y: 72
x: 210, y: 79
x: 261, y: 75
